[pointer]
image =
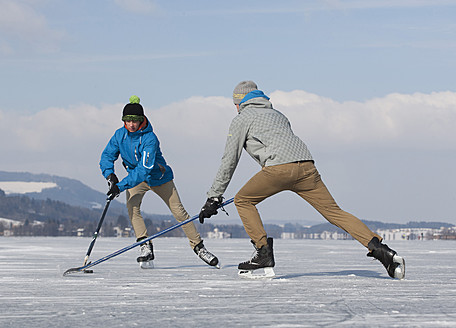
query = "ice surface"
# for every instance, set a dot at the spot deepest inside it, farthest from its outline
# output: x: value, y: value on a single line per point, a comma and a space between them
x: 318, y: 283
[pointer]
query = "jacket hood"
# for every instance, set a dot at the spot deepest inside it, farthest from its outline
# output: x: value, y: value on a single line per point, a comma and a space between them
x: 258, y: 102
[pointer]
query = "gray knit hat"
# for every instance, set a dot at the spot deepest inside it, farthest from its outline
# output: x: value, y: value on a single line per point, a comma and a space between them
x: 242, y: 89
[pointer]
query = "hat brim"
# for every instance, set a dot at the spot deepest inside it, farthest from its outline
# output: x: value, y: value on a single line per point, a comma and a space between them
x: 133, y: 118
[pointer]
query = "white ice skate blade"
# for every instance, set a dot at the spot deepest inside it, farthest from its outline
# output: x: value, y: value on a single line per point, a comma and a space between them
x: 399, y: 272
x: 146, y: 265
x: 250, y: 274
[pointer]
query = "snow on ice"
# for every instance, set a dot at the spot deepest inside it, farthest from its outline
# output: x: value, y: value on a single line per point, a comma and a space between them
x: 318, y: 284
x: 21, y: 187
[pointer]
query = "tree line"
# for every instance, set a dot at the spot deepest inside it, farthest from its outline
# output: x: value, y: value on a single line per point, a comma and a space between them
x: 55, y: 218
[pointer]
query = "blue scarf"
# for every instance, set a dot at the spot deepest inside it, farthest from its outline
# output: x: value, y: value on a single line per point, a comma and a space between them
x: 253, y: 94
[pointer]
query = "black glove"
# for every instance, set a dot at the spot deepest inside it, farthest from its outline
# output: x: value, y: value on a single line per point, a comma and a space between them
x: 112, y: 179
x: 210, y: 208
x: 113, y: 191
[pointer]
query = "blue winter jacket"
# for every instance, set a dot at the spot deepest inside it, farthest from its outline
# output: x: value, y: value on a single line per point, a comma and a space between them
x: 141, y: 156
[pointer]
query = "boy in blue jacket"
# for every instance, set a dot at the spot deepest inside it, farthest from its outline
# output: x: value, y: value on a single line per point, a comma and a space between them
x: 147, y: 170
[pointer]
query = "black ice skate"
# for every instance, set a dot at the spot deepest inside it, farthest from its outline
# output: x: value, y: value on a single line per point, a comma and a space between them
x: 394, y: 264
x: 206, y: 256
x: 146, y: 256
x: 263, y: 258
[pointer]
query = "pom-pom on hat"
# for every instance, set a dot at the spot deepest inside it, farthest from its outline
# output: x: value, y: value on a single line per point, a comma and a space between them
x: 242, y: 89
x: 133, y: 111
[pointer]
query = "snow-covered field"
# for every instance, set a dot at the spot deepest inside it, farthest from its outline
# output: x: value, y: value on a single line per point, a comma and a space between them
x: 22, y: 187
x: 318, y: 284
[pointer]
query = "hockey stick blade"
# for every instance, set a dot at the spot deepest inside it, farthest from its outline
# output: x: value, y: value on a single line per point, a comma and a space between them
x: 73, y: 270
x: 82, y: 269
x: 123, y: 250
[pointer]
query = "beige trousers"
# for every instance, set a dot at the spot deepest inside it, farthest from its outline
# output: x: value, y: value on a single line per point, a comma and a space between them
x: 168, y: 193
x: 303, y: 179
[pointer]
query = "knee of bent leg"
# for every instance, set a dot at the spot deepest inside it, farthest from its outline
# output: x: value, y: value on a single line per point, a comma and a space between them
x: 239, y: 199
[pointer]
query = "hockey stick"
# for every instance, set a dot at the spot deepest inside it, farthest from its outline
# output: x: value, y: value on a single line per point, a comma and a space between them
x: 123, y: 250
x: 95, y: 234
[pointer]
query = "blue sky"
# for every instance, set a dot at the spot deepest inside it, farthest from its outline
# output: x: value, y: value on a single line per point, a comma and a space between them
x: 96, y: 51
x: 369, y: 85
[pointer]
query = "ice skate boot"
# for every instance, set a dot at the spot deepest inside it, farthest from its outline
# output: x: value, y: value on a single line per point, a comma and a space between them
x: 263, y: 258
x: 206, y: 256
x: 146, y: 256
x: 393, y: 263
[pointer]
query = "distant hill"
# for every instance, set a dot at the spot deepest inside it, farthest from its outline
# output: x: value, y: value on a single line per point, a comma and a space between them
x: 21, y: 215
x: 69, y: 191
x: 48, y: 205
x: 29, y: 197
x: 62, y: 190
x: 22, y: 209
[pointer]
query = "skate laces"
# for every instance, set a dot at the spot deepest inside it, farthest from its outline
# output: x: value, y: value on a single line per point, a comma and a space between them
x: 144, y: 250
x: 255, y: 255
x: 204, y: 254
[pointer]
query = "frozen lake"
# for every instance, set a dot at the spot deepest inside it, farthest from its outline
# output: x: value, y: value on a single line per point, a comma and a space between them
x: 318, y: 284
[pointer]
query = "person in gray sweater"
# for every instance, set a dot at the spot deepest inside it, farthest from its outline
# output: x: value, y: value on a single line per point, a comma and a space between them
x: 286, y: 164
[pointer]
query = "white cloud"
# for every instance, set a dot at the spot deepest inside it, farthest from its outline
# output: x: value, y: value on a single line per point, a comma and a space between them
x: 65, y: 142
x: 19, y: 20
x: 397, y: 120
x: 68, y: 141
x: 59, y: 128
x: 200, y: 119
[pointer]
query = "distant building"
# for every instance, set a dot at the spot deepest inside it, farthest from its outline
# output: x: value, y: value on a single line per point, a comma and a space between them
x: 118, y: 231
x: 326, y: 235
x: 128, y: 232
x: 217, y: 234
x: 407, y: 233
x: 8, y: 233
x: 288, y: 235
x: 125, y: 232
